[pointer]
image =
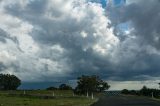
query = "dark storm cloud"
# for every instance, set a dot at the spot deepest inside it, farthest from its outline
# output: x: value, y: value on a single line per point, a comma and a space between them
x: 2, y: 67
x: 145, y: 17
x: 139, y: 50
x: 4, y: 36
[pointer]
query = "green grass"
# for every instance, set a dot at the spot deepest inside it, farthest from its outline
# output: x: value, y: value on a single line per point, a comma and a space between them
x: 63, y: 98
x: 40, y: 91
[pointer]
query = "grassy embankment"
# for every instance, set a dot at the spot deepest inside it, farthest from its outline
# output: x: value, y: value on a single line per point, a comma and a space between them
x: 43, y: 98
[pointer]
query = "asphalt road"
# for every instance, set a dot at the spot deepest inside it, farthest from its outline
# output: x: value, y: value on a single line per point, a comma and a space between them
x: 126, y: 101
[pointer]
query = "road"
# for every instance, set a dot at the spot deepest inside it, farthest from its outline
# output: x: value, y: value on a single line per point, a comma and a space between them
x: 126, y: 101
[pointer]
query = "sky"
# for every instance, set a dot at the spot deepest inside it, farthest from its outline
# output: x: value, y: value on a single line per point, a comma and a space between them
x: 55, y: 41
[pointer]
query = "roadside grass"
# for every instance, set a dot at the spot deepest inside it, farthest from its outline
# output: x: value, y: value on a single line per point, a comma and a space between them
x: 40, y: 92
x: 62, y: 98
x: 146, y: 97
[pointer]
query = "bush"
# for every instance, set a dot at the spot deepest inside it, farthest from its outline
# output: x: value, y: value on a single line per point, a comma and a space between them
x: 65, y: 87
x: 51, y: 88
x: 125, y: 91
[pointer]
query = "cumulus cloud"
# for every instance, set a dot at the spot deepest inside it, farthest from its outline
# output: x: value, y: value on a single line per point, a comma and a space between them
x: 50, y: 40
x: 55, y: 38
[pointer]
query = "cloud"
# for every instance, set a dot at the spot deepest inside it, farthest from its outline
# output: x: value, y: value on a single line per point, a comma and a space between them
x: 137, y: 28
x: 145, y: 20
x: 62, y: 39
x: 60, y: 42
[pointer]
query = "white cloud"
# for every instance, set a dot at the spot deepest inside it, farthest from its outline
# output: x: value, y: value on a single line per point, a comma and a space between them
x: 6, y: 58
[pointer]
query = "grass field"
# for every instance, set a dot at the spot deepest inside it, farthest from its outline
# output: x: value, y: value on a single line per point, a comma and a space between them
x: 61, y: 98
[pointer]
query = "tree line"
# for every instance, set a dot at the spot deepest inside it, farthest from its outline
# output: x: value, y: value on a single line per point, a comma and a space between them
x: 85, y: 84
x: 61, y: 87
x: 143, y: 92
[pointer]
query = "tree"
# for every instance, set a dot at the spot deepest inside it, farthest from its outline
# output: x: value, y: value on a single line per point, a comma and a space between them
x: 125, y: 91
x: 102, y: 86
x: 9, y: 82
x: 65, y: 87
x: 51, y: 88
x: 145, y: 91
x: 89, y: 84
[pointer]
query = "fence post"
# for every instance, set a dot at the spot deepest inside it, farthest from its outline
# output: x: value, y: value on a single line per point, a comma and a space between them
x: 87, y: 94
x: 152, y: 95
x: 53, y: 93
x: 24, y: 92
x: 92, y: 96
